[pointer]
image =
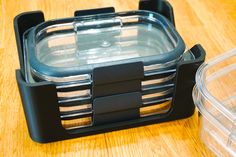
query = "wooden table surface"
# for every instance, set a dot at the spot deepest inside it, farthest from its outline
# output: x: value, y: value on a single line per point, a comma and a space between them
x: 211, y: 23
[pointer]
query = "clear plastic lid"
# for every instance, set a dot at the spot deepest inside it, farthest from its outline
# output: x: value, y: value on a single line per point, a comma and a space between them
x: 75, y: 46
x: 99, y: 45
x: 215, y: 95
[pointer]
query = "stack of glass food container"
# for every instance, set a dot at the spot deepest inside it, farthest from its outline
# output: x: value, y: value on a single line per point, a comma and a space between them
x: 215, y: 97
x: 66, y: 51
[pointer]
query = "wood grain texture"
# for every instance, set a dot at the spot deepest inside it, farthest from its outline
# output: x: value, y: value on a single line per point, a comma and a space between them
x: 211, y: 23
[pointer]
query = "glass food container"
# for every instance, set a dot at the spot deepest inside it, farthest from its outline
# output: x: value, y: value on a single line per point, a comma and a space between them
x: 67, y: 50
x: 215, y: 98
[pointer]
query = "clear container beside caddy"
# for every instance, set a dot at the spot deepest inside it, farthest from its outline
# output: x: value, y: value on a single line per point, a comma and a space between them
x: 215, y: 97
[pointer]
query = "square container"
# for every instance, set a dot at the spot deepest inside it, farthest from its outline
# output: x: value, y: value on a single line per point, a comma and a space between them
x: 215, y: 97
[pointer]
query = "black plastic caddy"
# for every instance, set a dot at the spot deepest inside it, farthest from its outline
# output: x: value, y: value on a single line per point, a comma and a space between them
x: 63, y: 101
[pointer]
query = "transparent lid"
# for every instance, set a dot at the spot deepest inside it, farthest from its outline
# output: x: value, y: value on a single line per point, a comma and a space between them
x: 215, y: 92
x: 75, y: 46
